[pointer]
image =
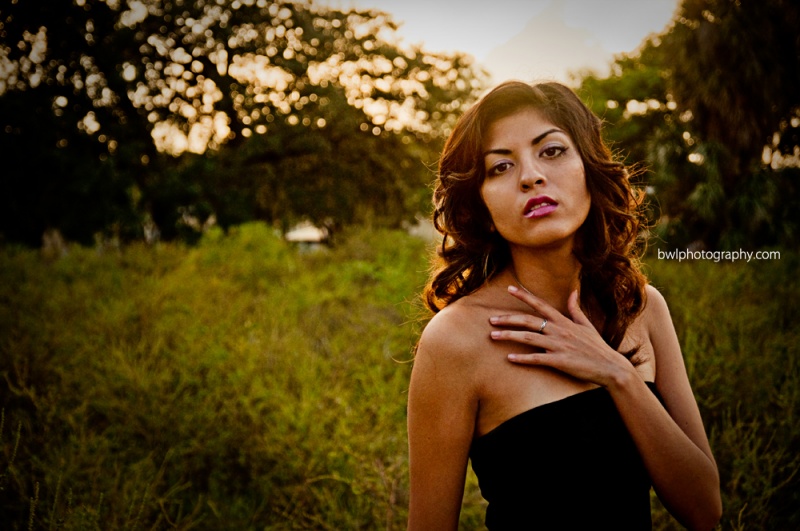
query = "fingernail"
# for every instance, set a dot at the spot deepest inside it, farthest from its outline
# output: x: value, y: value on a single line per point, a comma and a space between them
x: 512, y: 357
x: 493, y: 319
x: 495, y: 334
x: 513, y: 289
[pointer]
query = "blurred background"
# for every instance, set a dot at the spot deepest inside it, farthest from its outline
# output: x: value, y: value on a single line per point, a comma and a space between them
x: 213, y: 236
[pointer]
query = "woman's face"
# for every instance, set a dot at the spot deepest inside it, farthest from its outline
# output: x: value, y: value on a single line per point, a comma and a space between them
x: 535, y: 186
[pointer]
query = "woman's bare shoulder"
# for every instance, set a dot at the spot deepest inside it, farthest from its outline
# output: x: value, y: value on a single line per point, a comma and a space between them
x: 655, y: 313
x: 454, y: 331
x: 644, y: 331
x: 447, y: 362
x: 662, y: 336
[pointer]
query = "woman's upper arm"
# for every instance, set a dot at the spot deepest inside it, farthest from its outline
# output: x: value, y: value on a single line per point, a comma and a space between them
x: 672, y: 380
x: 442, y: 406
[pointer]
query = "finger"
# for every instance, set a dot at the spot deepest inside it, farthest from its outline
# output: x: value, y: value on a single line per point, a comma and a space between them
x: 531, y: 322
x: 541, y: 307
x: 524, y: 337
x: 533, y: 359
x: 575, y: 310
x: 554, y: 361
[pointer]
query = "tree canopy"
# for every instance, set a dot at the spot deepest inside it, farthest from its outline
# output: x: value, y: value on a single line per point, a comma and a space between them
x: 167, y: 113
x: 145, y: 117
x: 712, y: 106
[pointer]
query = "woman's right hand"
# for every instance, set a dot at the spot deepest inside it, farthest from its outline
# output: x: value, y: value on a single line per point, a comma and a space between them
x: 572, y: 346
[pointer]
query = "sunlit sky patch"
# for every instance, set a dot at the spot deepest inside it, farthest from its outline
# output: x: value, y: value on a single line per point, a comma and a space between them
x: 526, y: 39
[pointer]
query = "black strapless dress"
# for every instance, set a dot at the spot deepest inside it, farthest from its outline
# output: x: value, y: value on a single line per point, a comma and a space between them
x: 569, y: 464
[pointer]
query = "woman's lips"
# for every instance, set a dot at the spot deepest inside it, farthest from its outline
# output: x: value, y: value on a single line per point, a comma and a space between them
x: 537, y: 207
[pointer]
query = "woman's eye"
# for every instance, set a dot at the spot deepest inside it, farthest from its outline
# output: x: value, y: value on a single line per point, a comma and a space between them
x: 553, y: 151
x: 499, y: 168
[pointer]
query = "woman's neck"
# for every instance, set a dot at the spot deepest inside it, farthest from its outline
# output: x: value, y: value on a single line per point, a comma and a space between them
x: 550, y: 275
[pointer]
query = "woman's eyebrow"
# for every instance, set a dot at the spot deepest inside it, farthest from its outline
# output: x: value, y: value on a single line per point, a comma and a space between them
x: 503, y: 151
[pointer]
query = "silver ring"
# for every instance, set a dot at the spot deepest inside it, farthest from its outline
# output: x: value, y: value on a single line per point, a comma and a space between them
x: 541, y: 328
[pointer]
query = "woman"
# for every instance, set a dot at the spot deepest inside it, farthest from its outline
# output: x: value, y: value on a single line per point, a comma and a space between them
x: 549, y: 361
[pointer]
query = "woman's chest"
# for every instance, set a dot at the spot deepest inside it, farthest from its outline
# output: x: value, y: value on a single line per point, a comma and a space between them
x: 506, y: 389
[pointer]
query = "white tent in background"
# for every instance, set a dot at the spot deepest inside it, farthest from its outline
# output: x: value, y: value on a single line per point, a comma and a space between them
x: 307, y: 236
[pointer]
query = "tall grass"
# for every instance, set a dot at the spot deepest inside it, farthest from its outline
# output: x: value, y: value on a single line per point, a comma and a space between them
x: 241, y: 384
x: 738, y: 327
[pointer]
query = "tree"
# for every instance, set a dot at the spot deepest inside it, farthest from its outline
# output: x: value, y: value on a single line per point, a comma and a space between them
x: 713, y: 107
x: 174, y: 110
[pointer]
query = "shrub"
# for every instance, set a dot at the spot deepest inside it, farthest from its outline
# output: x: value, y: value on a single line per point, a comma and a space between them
x: 241, y: 384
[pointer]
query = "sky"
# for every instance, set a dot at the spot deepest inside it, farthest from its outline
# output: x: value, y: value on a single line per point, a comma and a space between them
x: 526, y: 39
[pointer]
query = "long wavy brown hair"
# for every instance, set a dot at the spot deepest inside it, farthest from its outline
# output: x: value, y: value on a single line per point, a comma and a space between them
x: 607, y: 244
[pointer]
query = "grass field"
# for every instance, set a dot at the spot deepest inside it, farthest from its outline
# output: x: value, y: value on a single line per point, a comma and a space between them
x: 241, y: 384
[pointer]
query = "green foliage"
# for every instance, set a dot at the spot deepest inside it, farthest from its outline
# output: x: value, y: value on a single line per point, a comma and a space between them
x: 736, y: 66
x: 243, y: 384
x: 710, y: 106
x: 230, y: 386
x: 171, y: 112
x: 737, y: 327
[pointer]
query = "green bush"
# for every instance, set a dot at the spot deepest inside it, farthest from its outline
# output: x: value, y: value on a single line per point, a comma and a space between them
x: 737, y: 324
x: 242, y: 384
x: 234, y: 385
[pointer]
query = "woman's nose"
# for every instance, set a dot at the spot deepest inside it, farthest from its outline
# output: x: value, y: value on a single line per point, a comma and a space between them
x: 530, y: 177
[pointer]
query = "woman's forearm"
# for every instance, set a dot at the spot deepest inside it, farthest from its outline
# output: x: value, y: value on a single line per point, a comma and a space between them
x: 684, y: 476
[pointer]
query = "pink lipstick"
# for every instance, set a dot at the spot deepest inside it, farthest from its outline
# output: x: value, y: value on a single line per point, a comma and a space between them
x: 539, y: 206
